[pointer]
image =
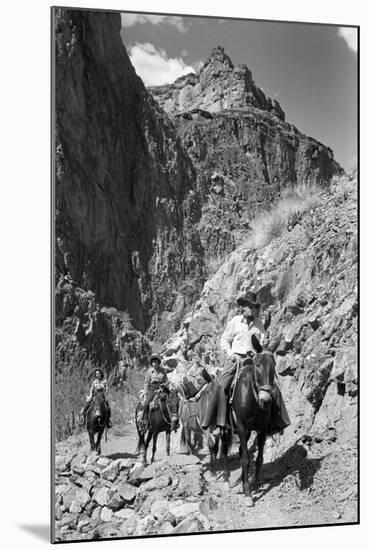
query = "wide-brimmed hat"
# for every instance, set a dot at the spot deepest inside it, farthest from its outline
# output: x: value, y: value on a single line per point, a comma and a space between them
x: 248, y: 298
x: 155, y: 356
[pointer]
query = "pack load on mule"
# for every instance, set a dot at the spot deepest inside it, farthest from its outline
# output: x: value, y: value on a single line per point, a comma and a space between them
x: 195, y: 377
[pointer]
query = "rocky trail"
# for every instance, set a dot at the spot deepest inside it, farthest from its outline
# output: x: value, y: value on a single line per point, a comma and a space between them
x: 114, y: 495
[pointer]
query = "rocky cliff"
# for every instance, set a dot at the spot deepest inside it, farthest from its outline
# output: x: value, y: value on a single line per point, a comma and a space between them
x: 149, y: 203
x: 306, y: 279
x: 168, y: 204
x: 126, y: 207
x: 240, y: 142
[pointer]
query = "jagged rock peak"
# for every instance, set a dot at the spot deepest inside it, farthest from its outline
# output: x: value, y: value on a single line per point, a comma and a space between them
x: 218, y: 86
x: 219, y: 58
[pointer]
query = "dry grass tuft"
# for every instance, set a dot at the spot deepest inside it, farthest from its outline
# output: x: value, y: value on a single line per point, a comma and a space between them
x: 272, y: 224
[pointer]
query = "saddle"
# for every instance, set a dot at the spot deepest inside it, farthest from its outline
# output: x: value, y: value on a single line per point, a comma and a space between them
x: 245, y: 362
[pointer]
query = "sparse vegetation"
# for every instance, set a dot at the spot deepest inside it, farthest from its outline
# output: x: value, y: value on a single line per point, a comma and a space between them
x: 294, y: 202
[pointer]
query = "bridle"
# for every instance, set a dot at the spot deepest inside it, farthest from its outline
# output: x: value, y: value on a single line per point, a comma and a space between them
x: 100, y: 423
x: 256, y: 387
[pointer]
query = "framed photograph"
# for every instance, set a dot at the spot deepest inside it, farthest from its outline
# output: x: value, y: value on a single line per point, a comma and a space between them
x: 205, y: 267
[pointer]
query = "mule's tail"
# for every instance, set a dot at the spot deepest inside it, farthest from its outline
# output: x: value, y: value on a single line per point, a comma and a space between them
x: 141, y: 436
x: 139, y: 445
x: 182, y: 443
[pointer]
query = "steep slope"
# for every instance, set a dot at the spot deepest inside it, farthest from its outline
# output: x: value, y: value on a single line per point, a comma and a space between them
x: 306, y: 279
x: 240, y: 142
x: 125, y: 187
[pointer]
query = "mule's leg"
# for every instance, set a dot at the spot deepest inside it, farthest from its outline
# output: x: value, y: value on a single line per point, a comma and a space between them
x: 244, y: 435
x: 259, y: 458
x: 98, y: 443
x: 92, y: 440
x: 146, y: 445
x: 225, y: 446
x: 167, y: 436
x: 213, y: 445
x: 189, y: 444
x: 140, y: 443
x: 154, y: 439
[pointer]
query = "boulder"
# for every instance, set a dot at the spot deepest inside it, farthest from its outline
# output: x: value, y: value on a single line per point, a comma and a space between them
x: 103, y: 462
x: 63, y: 462
x: 69, y: 496
x: 106, y: 514
x: 181, y: 510
x: 156, y: 483
x: 127, y: 491
x: 78, y: 464
x: 75, y: 507
x: 125, y: 513
x: 101, y: 496
x: 191, y: 524
x: 111, y: 471
x: 159, y: 508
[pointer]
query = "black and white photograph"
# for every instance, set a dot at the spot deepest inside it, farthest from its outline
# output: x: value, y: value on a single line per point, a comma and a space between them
x: 205, y: 245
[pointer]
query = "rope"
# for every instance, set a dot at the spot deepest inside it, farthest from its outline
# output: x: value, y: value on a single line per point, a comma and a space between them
x: 162, y: 412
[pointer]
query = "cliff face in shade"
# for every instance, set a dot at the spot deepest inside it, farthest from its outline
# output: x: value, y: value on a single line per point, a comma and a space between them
x: 125, y: 188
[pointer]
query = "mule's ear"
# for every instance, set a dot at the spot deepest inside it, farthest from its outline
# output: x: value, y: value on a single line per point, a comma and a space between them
x: 256, y: 344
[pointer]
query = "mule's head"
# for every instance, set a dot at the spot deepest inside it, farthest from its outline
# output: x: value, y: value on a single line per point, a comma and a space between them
x: 99, y: 407
x: 264, y: 369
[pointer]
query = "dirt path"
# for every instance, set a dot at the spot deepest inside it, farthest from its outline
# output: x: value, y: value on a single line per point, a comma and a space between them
x: 303, y: 487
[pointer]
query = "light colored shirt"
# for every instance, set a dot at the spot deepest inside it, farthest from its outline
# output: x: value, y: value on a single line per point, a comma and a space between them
x: 237, y: 336
x: 155, y: 377
x: 97, y: 385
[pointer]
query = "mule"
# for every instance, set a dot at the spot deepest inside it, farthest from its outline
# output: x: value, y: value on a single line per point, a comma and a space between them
x: 192, y: 434
x: 252, y: 410
x: 163, y: 417
x: 192, y: 414
x: 97, y: 418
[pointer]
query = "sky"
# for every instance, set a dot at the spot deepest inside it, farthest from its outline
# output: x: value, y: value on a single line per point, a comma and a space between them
x: 310, y: 69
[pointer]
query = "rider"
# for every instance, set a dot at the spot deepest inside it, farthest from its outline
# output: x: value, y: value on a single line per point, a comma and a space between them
x: 98, y: 385
x: 156, y: 376
x: 236, y: 342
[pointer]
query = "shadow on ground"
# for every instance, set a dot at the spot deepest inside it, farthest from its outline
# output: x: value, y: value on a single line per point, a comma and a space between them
x: 40, y: 531
x: 293, y: 462
x: 115, y: 456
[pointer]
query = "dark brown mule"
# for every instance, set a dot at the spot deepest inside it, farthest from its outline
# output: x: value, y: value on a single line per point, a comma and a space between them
x: 252, y: 406
x: 97, y: 417
x: 162, y: 418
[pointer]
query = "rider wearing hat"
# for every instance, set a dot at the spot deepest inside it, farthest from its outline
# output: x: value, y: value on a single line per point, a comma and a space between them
x: 99, y: 384
x: 155, y: 377
x: 237, y: 342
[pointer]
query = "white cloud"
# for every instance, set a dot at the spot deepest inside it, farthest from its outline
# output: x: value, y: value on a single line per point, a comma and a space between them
x: 154, y: 66
x: 130, y: 19
x: 349, y: 34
